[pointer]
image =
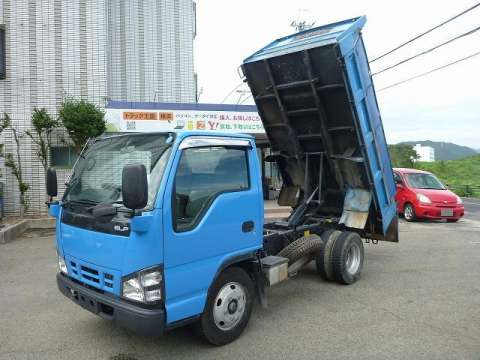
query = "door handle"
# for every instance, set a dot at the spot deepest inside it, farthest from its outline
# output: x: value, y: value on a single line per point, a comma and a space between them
x: 248, y: 226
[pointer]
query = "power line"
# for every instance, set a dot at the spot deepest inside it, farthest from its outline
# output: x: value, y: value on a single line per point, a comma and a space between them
x: 426, y: 32
x: 231, y: 92
x: 430, y: 71
x: 428, y: 50
x: 245, y: 99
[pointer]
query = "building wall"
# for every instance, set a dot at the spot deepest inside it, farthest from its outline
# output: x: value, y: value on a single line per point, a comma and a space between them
x: 93, y: 50
x: 150, y: 51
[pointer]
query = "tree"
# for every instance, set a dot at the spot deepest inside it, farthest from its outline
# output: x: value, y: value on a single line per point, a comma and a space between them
x: 402, y: 155
x: 83, y: 120
x: 43, y: 124
x: 15, y: 165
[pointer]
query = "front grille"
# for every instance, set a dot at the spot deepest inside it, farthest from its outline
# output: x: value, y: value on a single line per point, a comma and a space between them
x: 447, y: 205
x: 94, y: 276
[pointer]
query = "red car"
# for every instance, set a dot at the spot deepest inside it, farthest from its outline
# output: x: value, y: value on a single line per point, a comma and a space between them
x: 421, y: 195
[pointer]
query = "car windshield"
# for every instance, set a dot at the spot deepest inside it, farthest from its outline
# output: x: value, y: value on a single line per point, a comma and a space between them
x: 424, y: 181
x: 97, y: 177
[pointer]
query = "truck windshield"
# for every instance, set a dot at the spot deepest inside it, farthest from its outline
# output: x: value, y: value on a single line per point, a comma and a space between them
x: 97, y: 177
x: 424, y: 181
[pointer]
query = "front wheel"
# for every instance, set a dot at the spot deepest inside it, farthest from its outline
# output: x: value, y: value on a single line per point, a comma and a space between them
x: 409, y: 212
x: 229, y: 306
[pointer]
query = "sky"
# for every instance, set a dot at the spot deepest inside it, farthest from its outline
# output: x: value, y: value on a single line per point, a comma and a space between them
x: 443, y: 106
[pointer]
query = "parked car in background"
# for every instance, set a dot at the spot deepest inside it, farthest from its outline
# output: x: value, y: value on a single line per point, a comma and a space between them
x: 421, y: 195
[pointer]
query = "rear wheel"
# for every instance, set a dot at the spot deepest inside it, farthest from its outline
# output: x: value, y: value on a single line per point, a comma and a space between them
x: 324, y: 256
x: 347, y: 258
x: 229, y: 306
x: 409, y: 212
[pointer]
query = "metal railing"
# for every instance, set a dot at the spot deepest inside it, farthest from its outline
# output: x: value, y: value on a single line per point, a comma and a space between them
x: 465, y: 190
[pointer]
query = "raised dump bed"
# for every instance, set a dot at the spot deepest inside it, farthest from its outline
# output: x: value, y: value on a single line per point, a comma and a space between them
x: 316, y: 98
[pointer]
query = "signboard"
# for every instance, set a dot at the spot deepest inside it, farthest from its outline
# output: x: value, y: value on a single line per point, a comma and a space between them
x: 138, y: 120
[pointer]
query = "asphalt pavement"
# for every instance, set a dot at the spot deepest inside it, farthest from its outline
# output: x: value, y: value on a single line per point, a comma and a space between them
x: 472, y: 207
x: 418, y: 299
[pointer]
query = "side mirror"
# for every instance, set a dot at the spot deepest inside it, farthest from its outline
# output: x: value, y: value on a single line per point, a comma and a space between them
x: 52, y: 189
x: 134, y: 186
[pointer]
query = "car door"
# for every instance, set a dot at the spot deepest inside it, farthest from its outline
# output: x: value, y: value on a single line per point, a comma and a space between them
x: 216, y: 214
x: 400, y: 196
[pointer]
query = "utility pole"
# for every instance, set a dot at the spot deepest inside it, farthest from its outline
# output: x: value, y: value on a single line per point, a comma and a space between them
x: 301, y: 23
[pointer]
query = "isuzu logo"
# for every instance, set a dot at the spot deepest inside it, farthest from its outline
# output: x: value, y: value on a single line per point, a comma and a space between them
x: 120, y: 228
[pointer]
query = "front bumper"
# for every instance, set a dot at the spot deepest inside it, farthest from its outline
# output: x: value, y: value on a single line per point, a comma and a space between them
x: 435, y: 212
x: 148, y: 322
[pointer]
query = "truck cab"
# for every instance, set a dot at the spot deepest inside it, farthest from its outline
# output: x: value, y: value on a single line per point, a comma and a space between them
x: 201, y: 210
x: 159, y: 230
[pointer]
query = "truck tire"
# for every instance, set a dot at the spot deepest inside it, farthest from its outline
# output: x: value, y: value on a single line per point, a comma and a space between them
x: 347, y: 258
x: 228, y: 308
x: 301, y: 247
x: 323, y: 259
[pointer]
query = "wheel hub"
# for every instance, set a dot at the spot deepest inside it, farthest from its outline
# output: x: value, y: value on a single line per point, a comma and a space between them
x: 229, y: 306
x: 408, y: 212
x: 352, y: 261
x: 232, y: 306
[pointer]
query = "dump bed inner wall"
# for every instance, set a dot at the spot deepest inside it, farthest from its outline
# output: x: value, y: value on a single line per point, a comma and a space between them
x: 322, y: 100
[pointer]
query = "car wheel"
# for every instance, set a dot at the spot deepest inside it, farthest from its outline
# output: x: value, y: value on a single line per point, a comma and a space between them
x: 347, y: 258
x: 229, y: 306
x: 409, y: 212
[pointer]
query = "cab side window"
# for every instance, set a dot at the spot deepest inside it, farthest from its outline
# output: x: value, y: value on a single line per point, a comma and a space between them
x: 203, y: 174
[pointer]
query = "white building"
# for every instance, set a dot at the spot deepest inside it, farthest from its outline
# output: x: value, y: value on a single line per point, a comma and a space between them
x: 425, y: 153
x: 96, y: 50
x: 150, y: 50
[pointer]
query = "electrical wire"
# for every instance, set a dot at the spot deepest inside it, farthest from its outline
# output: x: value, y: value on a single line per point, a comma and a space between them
x: 426, y: 32
x: 427, y: 51
x: 430, y: 71
x: 245, y: 99
x: 231, y: 92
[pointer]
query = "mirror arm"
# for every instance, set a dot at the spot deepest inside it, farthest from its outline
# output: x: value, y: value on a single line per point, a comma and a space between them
x: 51, y: 202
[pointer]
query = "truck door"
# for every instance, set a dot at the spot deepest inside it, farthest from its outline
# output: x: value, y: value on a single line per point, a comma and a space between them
x: 213, y: 210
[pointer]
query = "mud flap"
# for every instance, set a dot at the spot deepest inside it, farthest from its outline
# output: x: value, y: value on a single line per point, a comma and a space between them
x: 355, y: 208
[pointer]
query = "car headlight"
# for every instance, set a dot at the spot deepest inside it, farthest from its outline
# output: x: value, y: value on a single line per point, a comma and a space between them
x: 459, y: 200
x: 143, y: 286
x: 424, y: 199
x: 62, y: 266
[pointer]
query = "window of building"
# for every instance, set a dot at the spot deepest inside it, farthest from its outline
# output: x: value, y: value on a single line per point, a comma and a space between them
x: 202, y: 175
x: 3, y: 55
x: 62, y: 157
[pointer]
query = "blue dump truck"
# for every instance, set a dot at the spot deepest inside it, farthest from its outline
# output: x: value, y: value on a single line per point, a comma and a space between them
x: 159, y: 230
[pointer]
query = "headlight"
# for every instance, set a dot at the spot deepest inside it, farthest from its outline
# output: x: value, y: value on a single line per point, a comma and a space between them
x: 143, y: 286
x: 62, y: 266
x: 424, y: 199
x: 459, y: 200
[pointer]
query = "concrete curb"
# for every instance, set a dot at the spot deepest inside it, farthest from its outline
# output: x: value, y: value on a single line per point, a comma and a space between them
x: 11, y: 232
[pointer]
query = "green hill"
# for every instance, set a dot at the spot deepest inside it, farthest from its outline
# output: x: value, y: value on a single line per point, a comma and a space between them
x: 457, y: 174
